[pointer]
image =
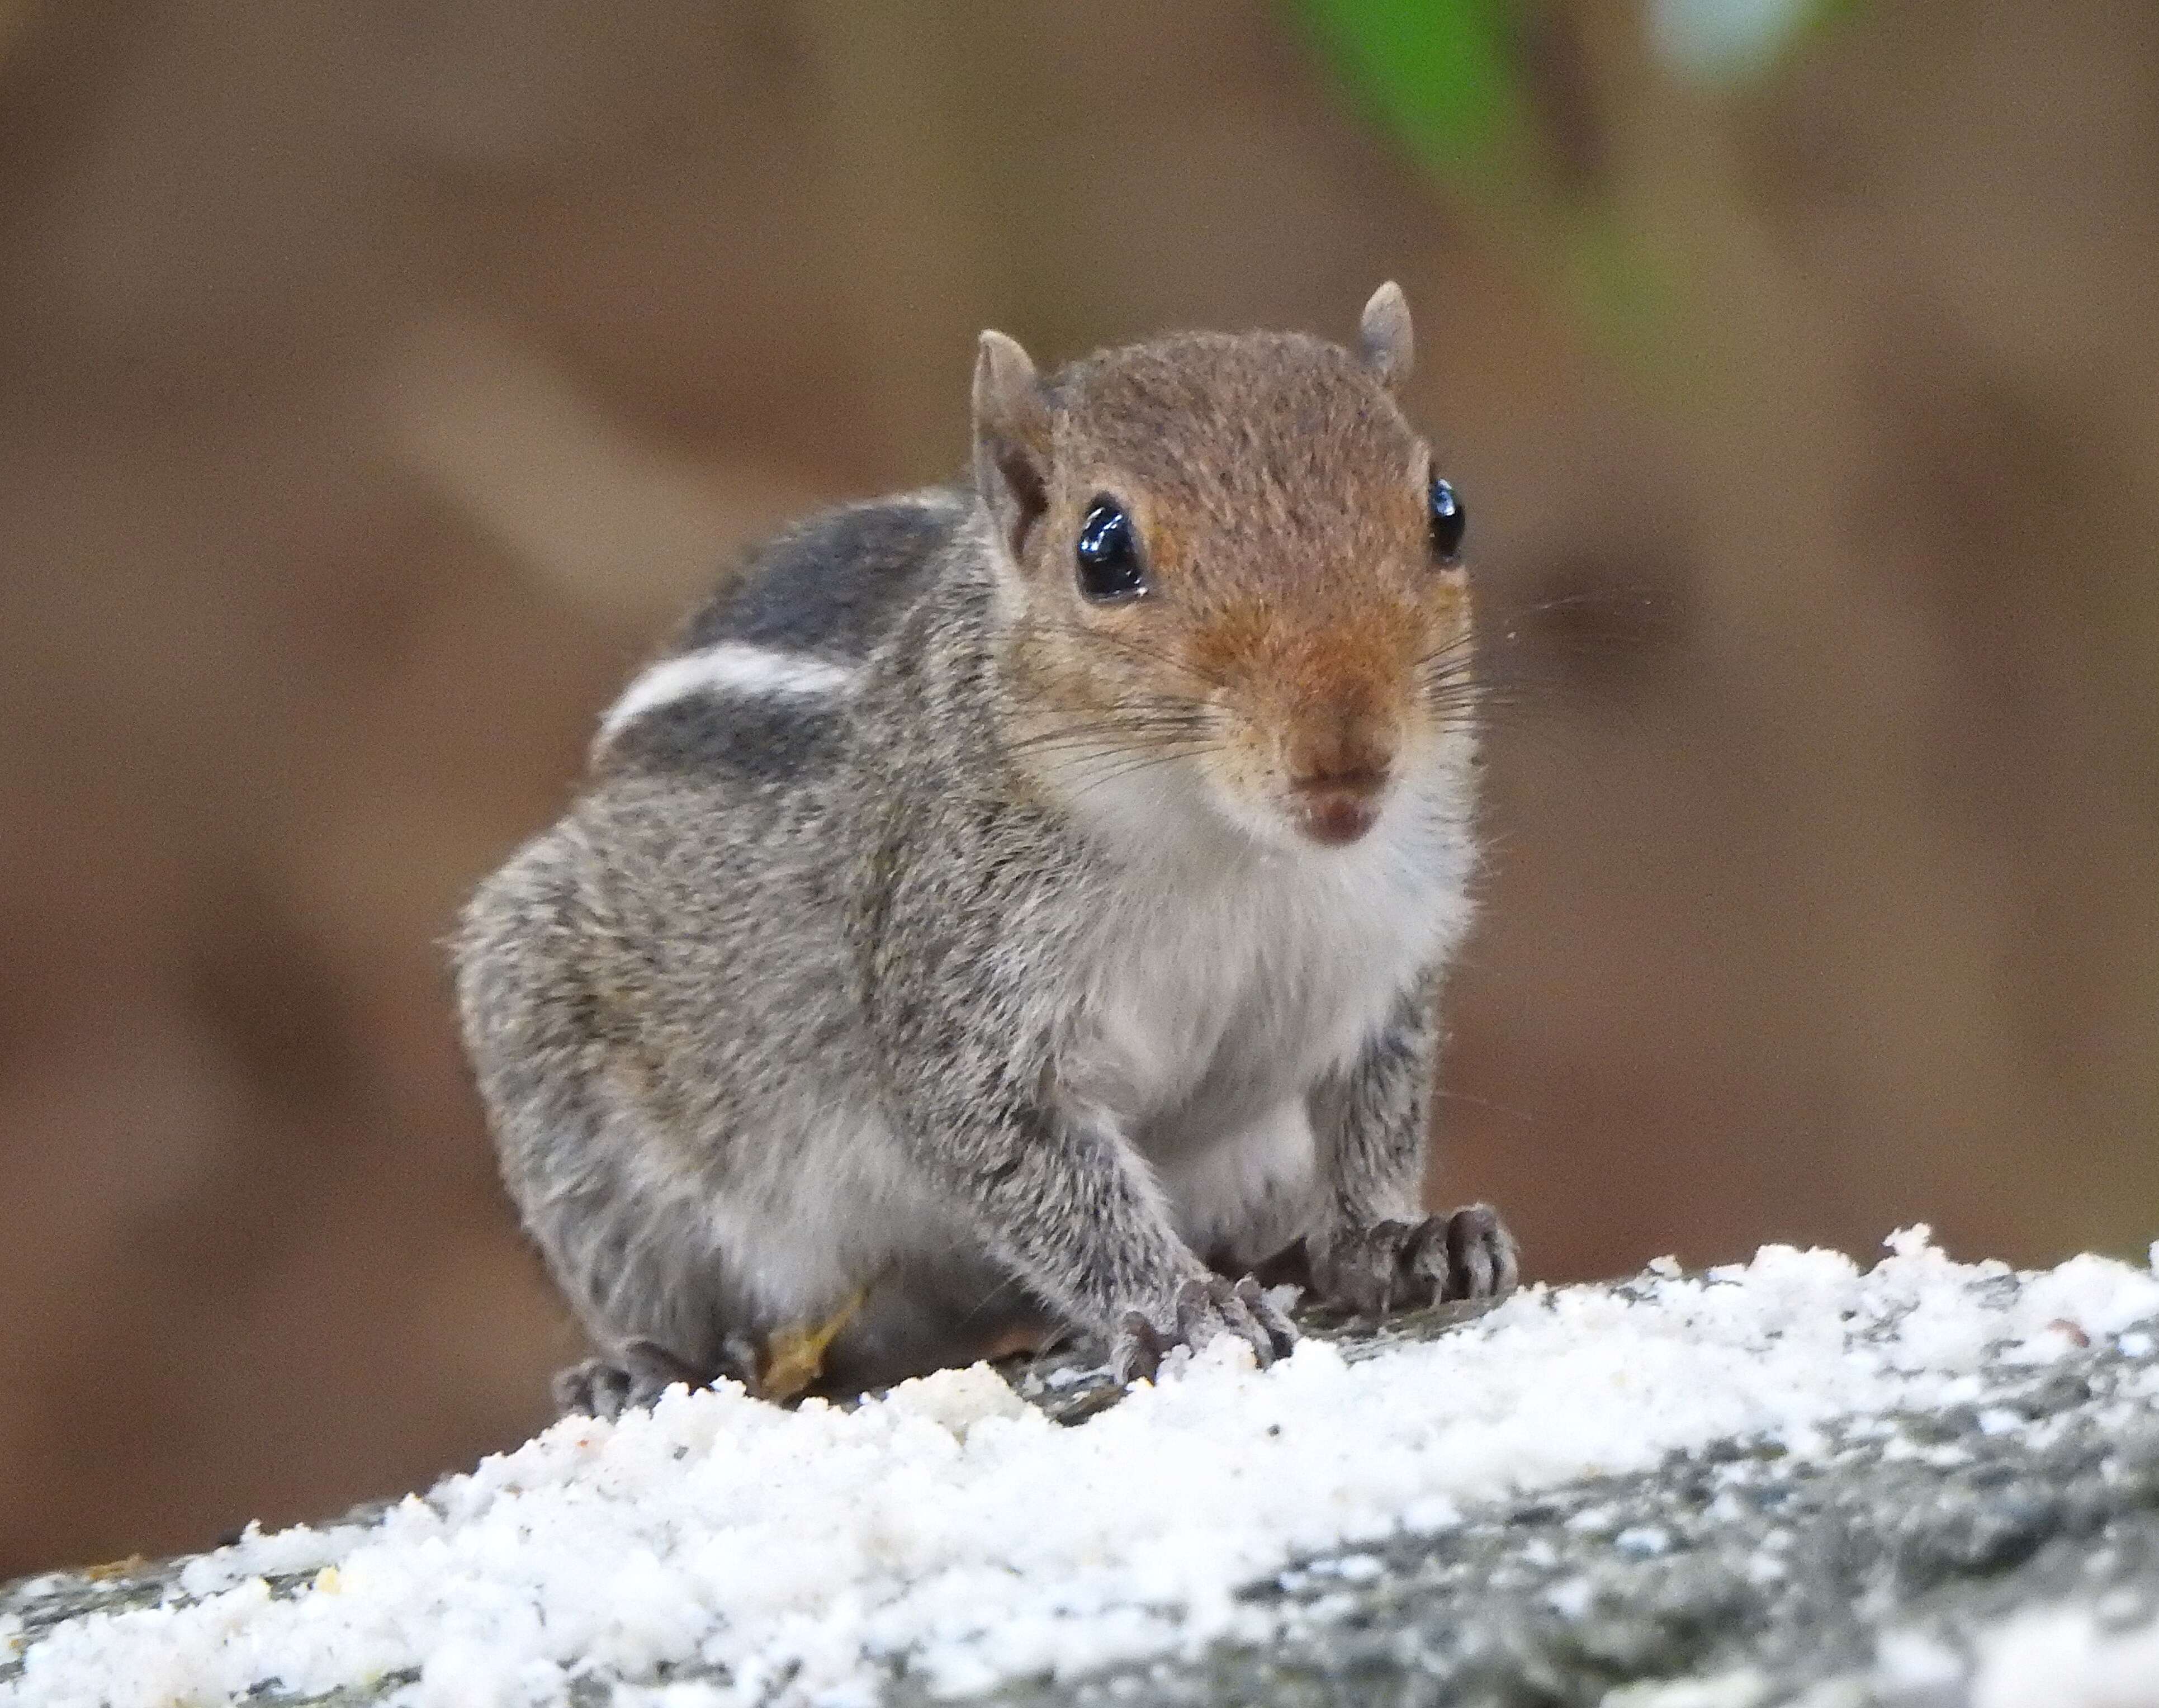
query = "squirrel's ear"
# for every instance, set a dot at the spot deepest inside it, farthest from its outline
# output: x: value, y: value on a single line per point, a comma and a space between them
x: 1012, y: 438
x: 1389, y: 346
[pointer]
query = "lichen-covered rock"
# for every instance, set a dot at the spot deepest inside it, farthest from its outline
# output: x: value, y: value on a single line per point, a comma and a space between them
x: 1926, y: 1486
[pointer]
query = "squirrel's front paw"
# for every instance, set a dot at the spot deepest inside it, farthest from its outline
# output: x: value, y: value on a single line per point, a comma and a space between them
x: 1205, y: 1307
x: 1399, y: 1265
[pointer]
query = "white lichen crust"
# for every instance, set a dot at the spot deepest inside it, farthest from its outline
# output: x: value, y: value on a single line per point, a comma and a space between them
x: 732, y: 1551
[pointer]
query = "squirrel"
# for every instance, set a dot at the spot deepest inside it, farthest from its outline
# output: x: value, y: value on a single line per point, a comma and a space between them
x: 1017, y: 907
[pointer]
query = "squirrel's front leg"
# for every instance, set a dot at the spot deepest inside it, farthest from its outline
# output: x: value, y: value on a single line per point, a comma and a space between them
x: 1377, y: 1251
x: 1065, y: 1200
x: 1060, y: 1196
x: 964, y: 1023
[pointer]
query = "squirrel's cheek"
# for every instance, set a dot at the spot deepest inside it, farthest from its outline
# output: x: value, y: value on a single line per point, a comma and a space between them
x: 1245, y: 770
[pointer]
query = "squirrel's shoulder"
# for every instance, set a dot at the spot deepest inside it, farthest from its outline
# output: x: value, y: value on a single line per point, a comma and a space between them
x: 832, y: 586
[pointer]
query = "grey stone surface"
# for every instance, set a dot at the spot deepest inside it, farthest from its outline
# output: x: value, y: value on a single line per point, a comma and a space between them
x: 1776, y: 1575
x: 1763, y: 1577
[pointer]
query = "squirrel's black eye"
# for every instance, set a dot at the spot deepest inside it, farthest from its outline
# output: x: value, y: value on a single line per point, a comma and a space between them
x: 1448, y: 521
x: 1109, y: 555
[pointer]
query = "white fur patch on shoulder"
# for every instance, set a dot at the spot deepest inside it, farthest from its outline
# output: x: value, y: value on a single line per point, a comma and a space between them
x: 729, y: 668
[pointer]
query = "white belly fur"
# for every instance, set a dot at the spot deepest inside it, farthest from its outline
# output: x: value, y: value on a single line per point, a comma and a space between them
x: 1212, y: 1018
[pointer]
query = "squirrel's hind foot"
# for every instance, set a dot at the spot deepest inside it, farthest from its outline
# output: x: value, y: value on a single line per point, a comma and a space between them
x: 634, y: 1379
x: 594, y: 1387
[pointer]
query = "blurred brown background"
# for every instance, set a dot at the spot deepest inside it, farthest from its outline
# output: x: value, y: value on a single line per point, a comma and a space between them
x: 378, y: 379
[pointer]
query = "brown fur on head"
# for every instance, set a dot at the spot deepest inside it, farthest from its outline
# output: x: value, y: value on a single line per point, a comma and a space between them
x: 1299, y: 638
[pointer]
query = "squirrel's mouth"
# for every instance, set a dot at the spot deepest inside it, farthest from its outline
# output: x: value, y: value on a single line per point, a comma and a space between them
x: 1337, y: 810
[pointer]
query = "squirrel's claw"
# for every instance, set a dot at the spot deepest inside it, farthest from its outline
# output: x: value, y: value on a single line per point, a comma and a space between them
x: 1468, y: 1253
x: 1281, y: 1331
x: 1483, y: 1261
x: 1138, y: 1350
x: 1204, y: 1308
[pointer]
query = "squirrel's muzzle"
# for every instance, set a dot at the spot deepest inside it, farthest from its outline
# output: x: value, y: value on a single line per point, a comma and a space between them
x: 1339, y: 768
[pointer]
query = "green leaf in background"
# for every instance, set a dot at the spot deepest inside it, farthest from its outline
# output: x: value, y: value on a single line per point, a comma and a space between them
x: 1446, y: 77
x: 1449, y: 80
x: 1441, y: 73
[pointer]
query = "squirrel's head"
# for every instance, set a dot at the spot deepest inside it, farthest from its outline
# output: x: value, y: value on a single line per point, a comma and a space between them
x: 1230, y: 557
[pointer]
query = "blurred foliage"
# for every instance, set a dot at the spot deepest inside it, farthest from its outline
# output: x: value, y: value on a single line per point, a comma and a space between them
x: 1451, y: 78
x: 1480, y: 93
x: 1445, y: 75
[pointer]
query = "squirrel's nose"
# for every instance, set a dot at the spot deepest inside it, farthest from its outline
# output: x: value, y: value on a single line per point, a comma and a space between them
x: 1348, y: 748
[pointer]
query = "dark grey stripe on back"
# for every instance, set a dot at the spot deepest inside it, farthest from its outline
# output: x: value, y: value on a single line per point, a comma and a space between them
x: 834, y: 585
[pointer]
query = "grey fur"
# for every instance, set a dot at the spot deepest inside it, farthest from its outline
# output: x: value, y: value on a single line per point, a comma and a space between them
x: 859, y: 1004
x: 756, y: 741
x: 781, y: 598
